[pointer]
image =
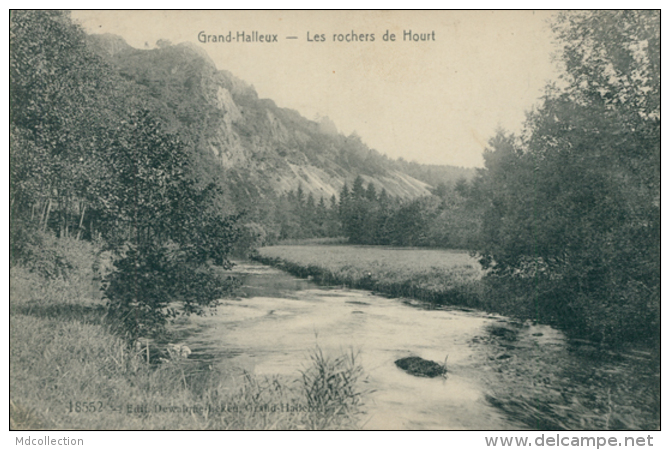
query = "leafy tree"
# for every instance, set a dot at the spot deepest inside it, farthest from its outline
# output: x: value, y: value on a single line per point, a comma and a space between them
x: 84, y: 151
x: 168, y: 230
x: 456, y: 220
x: 59, y: 118
x: 573, y: 207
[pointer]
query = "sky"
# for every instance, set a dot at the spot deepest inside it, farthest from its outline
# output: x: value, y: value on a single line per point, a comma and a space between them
x: 434, y: 101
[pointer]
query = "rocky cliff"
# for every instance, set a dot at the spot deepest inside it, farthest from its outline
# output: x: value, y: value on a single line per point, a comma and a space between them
x: 261, y: 147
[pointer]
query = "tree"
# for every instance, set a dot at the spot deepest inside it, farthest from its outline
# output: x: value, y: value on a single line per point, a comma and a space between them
x: 383, y: 217
x: 574, y: 205
x: 166, y: 229
x: 61, y: 118
x: 357, y: 189
x: 371, y: 193
x: 358, y: 213
x: 507, y: 190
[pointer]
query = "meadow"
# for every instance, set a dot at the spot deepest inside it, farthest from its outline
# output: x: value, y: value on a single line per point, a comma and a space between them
x: 70, y: 369
x: 439, y: 277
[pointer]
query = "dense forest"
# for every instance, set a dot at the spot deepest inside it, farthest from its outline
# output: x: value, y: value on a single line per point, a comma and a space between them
x: 91, y: 160
x: 565, y: 214
x: 572, y: 207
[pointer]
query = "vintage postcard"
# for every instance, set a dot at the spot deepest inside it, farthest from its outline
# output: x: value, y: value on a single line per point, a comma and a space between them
x: 335, y: 220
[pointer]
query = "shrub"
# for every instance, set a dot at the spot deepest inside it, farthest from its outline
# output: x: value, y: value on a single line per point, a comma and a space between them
x: 147, y: 280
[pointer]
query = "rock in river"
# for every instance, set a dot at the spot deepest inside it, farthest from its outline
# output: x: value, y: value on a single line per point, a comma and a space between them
x: 421, y: 367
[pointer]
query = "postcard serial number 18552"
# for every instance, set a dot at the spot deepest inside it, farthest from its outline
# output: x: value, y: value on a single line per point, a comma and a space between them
x: 86, y: 407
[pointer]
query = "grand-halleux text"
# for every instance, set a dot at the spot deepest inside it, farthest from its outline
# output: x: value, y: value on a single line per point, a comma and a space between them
x: 240, y: 36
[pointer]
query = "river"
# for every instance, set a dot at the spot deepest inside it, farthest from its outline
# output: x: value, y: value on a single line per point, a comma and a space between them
x: 501, y: 374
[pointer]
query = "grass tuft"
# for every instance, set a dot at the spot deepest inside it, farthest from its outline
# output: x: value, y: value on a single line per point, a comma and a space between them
x: 331, y: 386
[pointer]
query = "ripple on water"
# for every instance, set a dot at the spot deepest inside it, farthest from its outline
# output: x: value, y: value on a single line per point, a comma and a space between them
x: 275, y: 328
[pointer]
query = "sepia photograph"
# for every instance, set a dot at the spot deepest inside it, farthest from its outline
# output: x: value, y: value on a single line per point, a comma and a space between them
x: 335, y: 220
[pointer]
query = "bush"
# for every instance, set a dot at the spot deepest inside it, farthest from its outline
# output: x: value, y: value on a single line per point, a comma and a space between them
x: 59, y: 270
x: 250, y: 237
x: 148, y: 279
x: 42, y: 252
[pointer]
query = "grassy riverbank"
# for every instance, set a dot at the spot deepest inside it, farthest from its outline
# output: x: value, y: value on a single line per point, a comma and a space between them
x: 437, y: 277
x: 69, y: 370
x: 441, y: 277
